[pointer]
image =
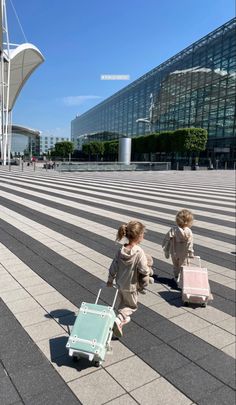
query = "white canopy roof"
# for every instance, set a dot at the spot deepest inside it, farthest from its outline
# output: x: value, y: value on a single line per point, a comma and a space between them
x: 24, y: 59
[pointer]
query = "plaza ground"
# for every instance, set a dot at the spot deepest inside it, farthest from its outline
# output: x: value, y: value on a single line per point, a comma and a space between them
x: 57, y: 240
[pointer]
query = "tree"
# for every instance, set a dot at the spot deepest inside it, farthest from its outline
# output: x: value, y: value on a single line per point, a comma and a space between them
x: 111, y: 150
x: 94, y: 148
x: 63, y: 149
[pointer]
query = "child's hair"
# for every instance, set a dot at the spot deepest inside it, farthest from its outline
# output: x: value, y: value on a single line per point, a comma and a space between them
x: 132, y: 231
x: 184, y: 218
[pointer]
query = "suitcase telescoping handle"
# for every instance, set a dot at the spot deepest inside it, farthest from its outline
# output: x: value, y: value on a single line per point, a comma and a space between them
x: 100, y: 290
x: 193, y: 260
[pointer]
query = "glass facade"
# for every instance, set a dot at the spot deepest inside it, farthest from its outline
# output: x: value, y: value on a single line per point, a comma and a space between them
x: 195, y: 88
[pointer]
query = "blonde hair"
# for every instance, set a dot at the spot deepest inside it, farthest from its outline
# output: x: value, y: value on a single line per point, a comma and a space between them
x: 132, y: 231
x: 184, y: 218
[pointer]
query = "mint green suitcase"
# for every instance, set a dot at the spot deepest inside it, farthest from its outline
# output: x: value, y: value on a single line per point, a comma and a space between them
x: 92, y: 332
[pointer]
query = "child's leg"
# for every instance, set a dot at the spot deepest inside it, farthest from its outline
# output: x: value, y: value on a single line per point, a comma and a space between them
x: 127, y: 305
x: 176, y: 267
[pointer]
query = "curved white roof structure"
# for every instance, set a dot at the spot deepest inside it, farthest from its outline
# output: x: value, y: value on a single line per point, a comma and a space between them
x: 19, y: 129
x: 24, y: 59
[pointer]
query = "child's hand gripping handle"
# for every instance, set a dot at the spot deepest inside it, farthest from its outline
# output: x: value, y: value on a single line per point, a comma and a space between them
x: 195, y: 261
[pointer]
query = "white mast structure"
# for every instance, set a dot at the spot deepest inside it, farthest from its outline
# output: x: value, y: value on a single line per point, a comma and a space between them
x: 5, y: 60
x: 17, y: 64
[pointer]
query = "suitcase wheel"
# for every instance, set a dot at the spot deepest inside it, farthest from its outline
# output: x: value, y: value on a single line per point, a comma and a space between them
x: 186, y: 303
x: 97, y: 363
x: 204, y: 305
x: 75, y: 358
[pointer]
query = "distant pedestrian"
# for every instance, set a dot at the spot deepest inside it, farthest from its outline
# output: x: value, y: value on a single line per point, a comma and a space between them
x: 178, y: 242
x: 129, y: 263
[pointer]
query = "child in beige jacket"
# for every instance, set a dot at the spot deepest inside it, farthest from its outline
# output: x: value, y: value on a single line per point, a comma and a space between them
x: 129, y: 263
x: 178, y: 242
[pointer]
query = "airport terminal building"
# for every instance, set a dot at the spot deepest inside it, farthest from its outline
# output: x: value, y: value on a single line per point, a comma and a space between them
x: 195, y: 88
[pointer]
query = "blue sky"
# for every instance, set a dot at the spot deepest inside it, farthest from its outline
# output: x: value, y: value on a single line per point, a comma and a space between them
x: 83, y: 39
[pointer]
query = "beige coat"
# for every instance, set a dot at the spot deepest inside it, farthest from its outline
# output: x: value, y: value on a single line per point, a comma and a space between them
x: 126, y: 266
x: 178, y: 243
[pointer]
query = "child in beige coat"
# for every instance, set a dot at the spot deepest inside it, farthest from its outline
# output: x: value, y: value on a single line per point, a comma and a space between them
x: 178, y: 242
x: 129, y: 263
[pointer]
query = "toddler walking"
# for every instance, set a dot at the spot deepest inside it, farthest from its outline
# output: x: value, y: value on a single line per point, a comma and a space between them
x: 129, y: 263
x: 178, y: 242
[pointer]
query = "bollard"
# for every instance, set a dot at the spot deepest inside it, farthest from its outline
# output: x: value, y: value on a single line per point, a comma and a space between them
x: 34, y: 166
x: 225, y: 165
x: 22, y: 166
x: 9, y: 167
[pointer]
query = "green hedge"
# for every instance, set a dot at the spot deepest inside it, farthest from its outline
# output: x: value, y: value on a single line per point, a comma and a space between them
x: 180, y: 141
x: 183, y: 140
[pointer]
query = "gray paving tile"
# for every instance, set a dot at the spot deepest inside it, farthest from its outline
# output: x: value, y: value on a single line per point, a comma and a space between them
x: 98, y: 395
x: 160, y: 392
x: 221, y: 366
x: 192, y: 347
x: 194, y: 381
x: 61, y: 396
x: 145, y: 339
x: 8, y: 394
x: 223, y: 396
x: 230, y: 350
x: 132, y: 373
x: 163, y: 359
x: 123, y: 400
x: 71, y: 370
x: 35, y: 379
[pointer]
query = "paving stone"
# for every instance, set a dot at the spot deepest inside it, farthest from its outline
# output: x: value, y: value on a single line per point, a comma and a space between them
x: 221, y: 366
x: 210, y: 314
x: 132, y: 373
x: 104, y: 388
x: 22, y: 305
x: 119, y: 352
x: 223, y: 396
x: 168, y: 310
x: 215, y: 336
x: 166, y: 330
x: 36, y: 290
x: 14, y: 295
x: 145, y: 339
x: 60, y: 396
x: 160, y: 392
x: 32, y: 317
x: 190, y: 322
x: 50, y: 298
x: 44, y: 330
x: 192, y: 347
x: 123, y: 400
x: 35, y: 380
x: 230, y: 350
x: 193, y: 381
x: 163, y: 359
x: 54, y: 347
x: 71, y: 370
x: 8, y: 394
x: 228, y: 324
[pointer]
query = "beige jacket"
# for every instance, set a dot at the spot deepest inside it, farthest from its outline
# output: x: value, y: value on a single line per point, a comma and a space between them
x: 178, y: 242
x: 126, y: 266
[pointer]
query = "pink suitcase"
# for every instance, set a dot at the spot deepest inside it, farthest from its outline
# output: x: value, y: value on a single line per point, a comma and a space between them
x: 195, y: 284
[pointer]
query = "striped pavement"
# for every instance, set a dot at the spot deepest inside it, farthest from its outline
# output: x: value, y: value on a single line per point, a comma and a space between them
x: 57, y: 240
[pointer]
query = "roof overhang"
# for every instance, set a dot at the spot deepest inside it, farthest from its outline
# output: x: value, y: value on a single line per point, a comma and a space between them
x: 24, y: 59
x: 19, y: 129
